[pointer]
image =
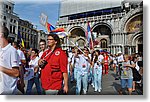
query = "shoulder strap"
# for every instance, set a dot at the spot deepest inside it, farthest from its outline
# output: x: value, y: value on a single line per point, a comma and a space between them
x: 50, y: 53
x: 130, y: 62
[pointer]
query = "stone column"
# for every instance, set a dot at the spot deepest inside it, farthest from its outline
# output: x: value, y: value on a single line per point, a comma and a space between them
x: 123, y: 38
x: 114, y: 50
x: 130, y: 50
x: 115, y: 38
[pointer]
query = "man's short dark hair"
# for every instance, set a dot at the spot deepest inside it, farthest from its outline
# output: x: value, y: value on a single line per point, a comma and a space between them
x: 56, y: 38
x: 16, y: 44
x: 36, y: 51
x: 42, y: 40
x: 5, y: 32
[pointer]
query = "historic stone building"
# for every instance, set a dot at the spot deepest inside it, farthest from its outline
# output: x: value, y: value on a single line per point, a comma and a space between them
x: 28, y: 32
x: 116, y: 24
x: 16, y: 25
x: 8, y: 18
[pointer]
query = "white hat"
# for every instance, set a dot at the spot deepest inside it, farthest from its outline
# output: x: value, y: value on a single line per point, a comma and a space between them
x: 119, y: 52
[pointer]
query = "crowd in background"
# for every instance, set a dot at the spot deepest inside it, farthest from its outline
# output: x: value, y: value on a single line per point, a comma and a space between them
x: 84, y: 67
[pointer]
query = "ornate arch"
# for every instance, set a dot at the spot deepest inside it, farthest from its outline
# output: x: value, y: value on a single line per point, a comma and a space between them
x: 135, y: 37
x: 81, y: 38
x: 76, y: 27
x: 131, y: 14
x: 102, y: 23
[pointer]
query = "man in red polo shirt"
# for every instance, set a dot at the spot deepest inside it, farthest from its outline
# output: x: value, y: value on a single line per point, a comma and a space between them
x: 54, y: 76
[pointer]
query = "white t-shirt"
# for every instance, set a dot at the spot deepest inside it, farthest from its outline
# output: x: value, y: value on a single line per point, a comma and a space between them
x: 120, y: 58
x: 100, y: 59
x: 8, y: 59
x: 40, y: 54
x: 34, y: 63
x: 83, y: 63
x: 21, y: 55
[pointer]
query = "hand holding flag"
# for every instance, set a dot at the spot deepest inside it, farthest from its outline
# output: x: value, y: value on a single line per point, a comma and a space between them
x: 20, y: 39
x: 89, y: 36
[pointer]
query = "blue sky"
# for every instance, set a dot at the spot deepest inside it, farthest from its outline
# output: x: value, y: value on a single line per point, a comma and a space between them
x: 31, y: 10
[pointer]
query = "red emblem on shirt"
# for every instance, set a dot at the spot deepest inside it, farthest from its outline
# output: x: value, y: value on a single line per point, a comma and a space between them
x: 57, y: 53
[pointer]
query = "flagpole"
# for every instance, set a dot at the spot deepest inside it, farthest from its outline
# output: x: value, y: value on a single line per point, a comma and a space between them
x: 76, y: 46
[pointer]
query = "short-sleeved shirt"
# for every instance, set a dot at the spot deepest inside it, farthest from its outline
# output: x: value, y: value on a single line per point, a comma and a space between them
x: 120, y: 58
x: 8, y: 59
x: 21, y: 55
x: 75, y: 61
x: 52, y: 74
x: 127, y: 73
x: 100, y: 59
x: 83, y: 64
x: 33, y: 63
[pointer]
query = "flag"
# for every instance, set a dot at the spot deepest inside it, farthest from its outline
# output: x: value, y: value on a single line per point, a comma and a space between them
x: 89, y: 36
x: 58, y: 30
x: 43, y: 19
x: 21, y: 40
x: 49, y: 27
x: 62, y: 34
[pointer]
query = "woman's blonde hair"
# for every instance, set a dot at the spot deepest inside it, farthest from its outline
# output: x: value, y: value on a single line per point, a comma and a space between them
x: 126, y: 56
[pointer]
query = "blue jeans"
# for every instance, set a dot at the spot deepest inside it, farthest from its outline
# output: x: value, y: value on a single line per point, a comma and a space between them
x: 84, y: 80
x: 37, y: 84
x: 98, y: 78
x: 72, y: 76
x: 126, y: 82
x: 75, y: 73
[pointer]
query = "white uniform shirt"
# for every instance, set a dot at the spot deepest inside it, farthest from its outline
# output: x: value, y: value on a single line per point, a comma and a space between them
x: 100, y: 59
x: 83, y: 62
x: 120, y: 58
x: 40, y: 54
x: 8, y: 59
x: 21, y: 55
x: 75, y: 61
x: 34, y: 63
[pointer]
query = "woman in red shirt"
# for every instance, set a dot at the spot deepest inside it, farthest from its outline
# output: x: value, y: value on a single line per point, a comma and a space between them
x: 55, y: 71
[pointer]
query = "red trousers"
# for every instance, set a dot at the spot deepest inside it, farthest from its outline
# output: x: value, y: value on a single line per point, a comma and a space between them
x: 105, y: 69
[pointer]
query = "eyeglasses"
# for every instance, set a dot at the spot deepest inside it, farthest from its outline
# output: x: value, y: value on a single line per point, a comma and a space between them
x: 42, y: 44
x: 33, y: 52
x: 50, y: 39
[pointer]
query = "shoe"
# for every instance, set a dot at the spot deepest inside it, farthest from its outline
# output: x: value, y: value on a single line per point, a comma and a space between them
x: 116, y: 78
x: 95, y: 90
x: 99, y: 90
x: 84, y: 92
x: 120, y: 92
x: 133, y: 90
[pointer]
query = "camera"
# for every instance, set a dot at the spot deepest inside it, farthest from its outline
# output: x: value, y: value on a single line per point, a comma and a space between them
x: 43, y: 64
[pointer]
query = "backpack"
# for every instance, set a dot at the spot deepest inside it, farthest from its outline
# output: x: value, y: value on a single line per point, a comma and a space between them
x: 136, y: 75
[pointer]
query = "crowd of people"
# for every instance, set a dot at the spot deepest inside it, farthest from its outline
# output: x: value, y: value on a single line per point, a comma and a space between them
x: 53, y: 67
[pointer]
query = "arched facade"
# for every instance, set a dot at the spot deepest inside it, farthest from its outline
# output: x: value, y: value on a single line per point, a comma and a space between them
x: 132, y: 28
x: 119, y: 31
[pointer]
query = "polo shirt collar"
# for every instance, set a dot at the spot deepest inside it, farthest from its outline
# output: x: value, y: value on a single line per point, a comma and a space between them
x: 6, y: 47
